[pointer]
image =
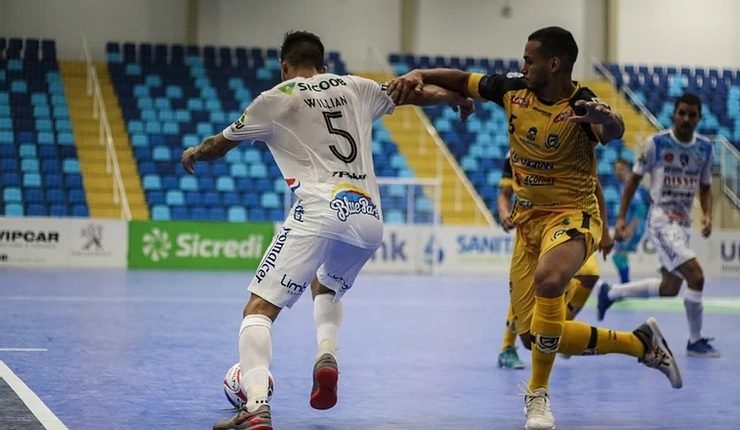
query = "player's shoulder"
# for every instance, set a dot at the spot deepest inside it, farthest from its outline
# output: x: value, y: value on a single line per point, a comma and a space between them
x: 586, y: 94
x: 704, y: 140
x: 661, y: 136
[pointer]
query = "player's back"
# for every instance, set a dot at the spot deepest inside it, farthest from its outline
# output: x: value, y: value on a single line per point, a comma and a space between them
x: 322, y: 142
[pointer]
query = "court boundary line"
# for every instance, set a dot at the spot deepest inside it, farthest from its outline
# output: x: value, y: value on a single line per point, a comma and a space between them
x: 37, y: 407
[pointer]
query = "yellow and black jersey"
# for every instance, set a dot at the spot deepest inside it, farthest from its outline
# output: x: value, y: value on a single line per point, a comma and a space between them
x: 552, y: 159
x: 506, y: 174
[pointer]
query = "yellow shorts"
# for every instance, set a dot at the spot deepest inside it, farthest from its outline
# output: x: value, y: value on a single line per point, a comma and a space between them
x: 540, y: 233
x: 590, y: 267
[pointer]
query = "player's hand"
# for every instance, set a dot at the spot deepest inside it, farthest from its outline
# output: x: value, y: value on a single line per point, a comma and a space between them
x: 465, y: 106
x: 400, y: 87
x: 706, y: 224
x: 607, y: 243
x: 596, y: 113
x: 188, y: 160
x: 507, y: 225
x: 620, y: 230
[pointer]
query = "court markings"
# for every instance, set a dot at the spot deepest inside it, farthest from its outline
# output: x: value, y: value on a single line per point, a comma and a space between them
x: 23, y: 349
x: 714, y: 305
x: 43, y: 414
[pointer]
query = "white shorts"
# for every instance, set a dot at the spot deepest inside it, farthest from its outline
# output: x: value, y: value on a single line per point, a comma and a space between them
x: 292, y: 261
x: 671, y: 240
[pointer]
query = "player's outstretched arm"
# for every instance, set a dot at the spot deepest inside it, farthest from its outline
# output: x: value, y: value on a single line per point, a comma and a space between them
x: 212, y: 148
x: 433, y: 94
x: 400, y: 88
x: 705, y: 198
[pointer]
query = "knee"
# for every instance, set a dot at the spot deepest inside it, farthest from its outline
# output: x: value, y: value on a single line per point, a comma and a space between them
x: 259, y: 306
x: 549, y: 285
x: 695, y: 280
x: 669, y: 289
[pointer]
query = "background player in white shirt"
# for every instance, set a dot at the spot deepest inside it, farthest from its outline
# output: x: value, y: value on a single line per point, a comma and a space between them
x: 318, y: 128
x: 678, y: 161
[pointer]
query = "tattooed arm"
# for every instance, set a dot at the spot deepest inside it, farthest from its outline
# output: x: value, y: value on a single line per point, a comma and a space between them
x: 212, y: 148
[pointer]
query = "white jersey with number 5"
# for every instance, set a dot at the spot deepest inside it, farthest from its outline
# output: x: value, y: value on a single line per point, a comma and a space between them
x: 319, y: 130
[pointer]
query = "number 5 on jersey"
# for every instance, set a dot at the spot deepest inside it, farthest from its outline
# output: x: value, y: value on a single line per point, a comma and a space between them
x: 338, y: 131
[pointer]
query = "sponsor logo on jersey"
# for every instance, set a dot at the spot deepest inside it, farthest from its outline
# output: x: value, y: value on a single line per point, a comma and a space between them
x: 553, y: 141
x: 680, y: 180
x: 558, y: 234
x: 340, y: 280
x: 534, y: 180
x: 294, y: 288
x: 287, y: 88
x: 321, y: 85
x: 349, y: 175
x: 562, y: 116
x: 668, y: 157
x: 299, y: 211
x: 520, y: 101
x: 271, y: 257
x: 239, y: 123
x: 532, y: 134
x: 531, y: 163
x: 350, y: 200
x: 293, y: 184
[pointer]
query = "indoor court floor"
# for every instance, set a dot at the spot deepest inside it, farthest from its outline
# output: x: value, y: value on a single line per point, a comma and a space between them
x: 108, y: 349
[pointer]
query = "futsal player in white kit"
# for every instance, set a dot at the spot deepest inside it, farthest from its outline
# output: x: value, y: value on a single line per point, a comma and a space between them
x: 318, y: 128
x: 678, y: 160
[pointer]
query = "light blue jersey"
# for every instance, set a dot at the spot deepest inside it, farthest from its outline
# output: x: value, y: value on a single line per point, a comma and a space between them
x: 677, y: 169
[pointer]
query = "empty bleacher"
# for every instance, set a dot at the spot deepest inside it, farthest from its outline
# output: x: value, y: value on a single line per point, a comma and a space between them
x: 38, y: 160
x: 658, y: 86
x: 173, y: 96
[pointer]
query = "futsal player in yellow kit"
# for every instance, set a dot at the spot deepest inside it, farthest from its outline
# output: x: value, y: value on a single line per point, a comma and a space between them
x: 579, y: 288
x: 554, y: 125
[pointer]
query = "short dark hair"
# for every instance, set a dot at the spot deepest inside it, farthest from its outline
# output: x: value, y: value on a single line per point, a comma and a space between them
x: 690, y: 99
x: 557, y: 42
x: 301, y: 48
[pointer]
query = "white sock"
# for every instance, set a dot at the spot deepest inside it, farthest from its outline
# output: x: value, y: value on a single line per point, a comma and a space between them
x: 649, y: 287
x: 255, y: 355
x: 328, y: 317
x: 692, y: 301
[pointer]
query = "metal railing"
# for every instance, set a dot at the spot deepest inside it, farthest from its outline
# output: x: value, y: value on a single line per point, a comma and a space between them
x: 631, y: 96
x: 729, y: 168
x: 105, y: 136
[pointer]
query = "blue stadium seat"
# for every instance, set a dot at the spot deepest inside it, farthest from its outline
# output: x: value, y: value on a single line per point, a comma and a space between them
x: 12, y: 195
x: 14, y: 210
x: 225, y: 183
x: 237, y: 214
x: 270, y: 200
x: 188, y: 183
x: 152, y: 182
x: 174, y: 198
x: 80, y: 211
